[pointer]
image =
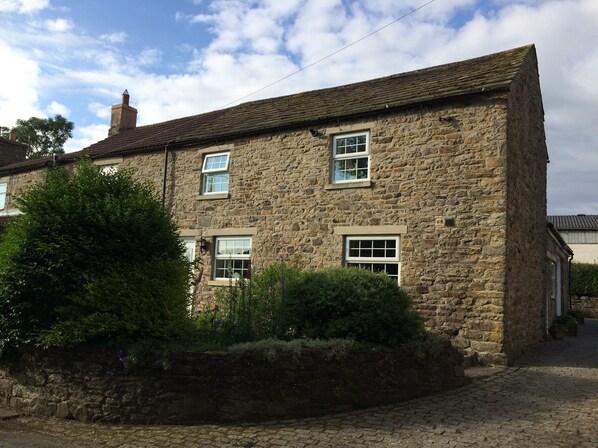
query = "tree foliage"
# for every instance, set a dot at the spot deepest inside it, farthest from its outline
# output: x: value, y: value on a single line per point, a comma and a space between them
x: 93, y: 257
x: 585, y: 279
x: 44, y: 136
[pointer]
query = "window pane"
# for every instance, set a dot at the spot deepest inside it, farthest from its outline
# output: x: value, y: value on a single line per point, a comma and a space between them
x: 350, y: 145
x: 213, y: 163
x: 233, y: 247
x: 2, y: 196
x: 215, y: 183
x: 375, y: 254
x: 109, y: 169
x: 351, y: 169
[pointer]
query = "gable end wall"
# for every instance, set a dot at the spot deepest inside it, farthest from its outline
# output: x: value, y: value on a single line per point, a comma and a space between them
x: 525, y: 308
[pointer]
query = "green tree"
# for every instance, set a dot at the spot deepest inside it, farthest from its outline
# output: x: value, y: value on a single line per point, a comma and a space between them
x: 94, y: 257
x: 44, y: 136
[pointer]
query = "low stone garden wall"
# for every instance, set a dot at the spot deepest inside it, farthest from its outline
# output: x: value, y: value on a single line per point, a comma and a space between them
x: 90, y: 384
x: 587, y: 305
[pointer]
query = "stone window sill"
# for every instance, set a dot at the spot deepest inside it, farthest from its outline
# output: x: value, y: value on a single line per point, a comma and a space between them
x: 208, y: 197
x: 220, y: 282
x: 343, y: 186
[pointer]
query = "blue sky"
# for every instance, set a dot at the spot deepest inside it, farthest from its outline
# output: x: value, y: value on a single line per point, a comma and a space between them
x: 184, y: 57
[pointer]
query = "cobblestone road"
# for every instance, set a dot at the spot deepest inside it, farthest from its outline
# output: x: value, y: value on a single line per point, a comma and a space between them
x: 551, y: 400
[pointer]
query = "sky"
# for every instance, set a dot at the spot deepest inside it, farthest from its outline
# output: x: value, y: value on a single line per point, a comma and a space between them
x: 184, y: 57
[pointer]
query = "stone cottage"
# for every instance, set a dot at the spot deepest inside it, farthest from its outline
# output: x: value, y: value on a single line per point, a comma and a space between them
x: 437, y: 177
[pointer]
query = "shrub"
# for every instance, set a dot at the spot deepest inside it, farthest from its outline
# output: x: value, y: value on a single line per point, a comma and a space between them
x: 351, y: 303
x: 335, y: 349
x: 285, y: 302
x: 585, y: 279
x: 93, y: 257
x: 249, y: 310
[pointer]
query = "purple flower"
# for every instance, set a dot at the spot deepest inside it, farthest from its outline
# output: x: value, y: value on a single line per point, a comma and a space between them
x: 122, y: 357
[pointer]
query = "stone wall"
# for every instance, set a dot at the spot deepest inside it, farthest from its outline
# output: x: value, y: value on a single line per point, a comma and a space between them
x: 91, y: 385
x: 587, y: 305
x: 525, y: 282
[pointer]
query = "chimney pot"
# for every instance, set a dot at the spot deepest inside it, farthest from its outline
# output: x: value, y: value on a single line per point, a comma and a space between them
x: 123, y: 117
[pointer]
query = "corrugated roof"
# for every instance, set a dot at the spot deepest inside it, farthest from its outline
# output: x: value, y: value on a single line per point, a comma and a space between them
x: 574, y: 222
x: 485, y: 74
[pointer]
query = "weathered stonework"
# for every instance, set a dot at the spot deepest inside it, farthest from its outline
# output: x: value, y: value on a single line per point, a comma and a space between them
x: 525, y: 225
x: 477, y: 162
x: 89, y: 384
x: 587, y: 305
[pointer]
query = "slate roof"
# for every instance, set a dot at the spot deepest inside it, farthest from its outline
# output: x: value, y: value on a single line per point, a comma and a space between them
x: 485, y: 74
x: 574, y: 222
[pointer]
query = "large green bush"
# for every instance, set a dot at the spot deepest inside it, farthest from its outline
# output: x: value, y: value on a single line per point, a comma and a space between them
x: 585, y: 279
x: 286, y: 303
x: 351, y: 303
x: 93, y: 257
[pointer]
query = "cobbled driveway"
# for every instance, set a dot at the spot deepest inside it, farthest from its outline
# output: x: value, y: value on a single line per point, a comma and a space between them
x: 550, y: 401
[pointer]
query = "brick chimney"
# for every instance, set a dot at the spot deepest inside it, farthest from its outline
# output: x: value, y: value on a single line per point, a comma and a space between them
x: 123, y: 116
x: 11, y: 151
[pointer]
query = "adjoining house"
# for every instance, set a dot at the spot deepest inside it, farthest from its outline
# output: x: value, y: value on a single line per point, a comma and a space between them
x: 436, y: 177
x: 581, y: 234
x: 558, y: 275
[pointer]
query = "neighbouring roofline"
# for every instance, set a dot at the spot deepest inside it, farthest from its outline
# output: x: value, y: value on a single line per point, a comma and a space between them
x: 420, y: 88
x: 579, y: 222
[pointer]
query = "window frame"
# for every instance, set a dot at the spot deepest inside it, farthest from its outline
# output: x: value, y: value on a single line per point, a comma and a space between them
x: 3, y: 194
x: 237, y: 257
x: 207, y: 172
x: 356, y: 156
x: 190, y: 243
x: 111, y: 168
x: 349, y: 260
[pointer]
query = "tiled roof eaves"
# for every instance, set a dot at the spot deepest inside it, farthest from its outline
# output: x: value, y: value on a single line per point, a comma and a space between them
x: 423, y: 101
x: 138, y: 148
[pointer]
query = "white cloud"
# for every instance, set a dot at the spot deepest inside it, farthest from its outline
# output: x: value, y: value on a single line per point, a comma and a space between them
x: 55, y: 108
x: 115, y: 38
x: 18, y: 96
x: 23, y: 6
x: 149, y: 56
x: 85, y: 136
x: 58, y: 25
x: 99, y: 109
